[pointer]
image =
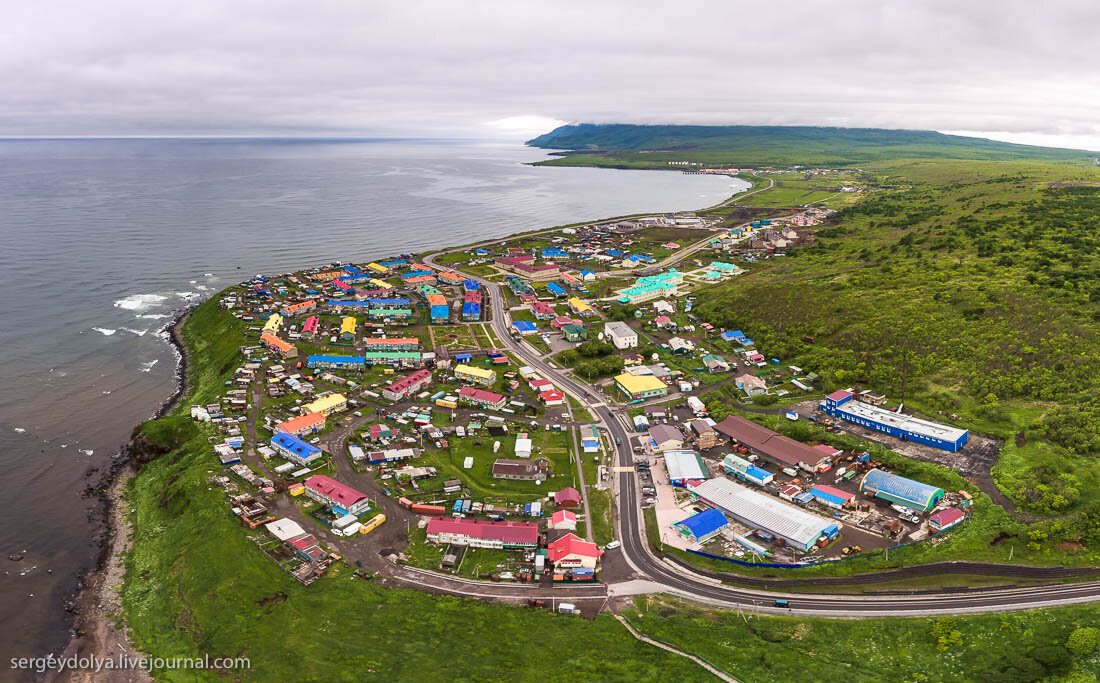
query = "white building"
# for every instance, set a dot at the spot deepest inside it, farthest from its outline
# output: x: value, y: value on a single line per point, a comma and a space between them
x: 621, y: 335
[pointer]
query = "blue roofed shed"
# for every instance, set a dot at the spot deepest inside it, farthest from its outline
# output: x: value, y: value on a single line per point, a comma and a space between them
x: 703, y: 526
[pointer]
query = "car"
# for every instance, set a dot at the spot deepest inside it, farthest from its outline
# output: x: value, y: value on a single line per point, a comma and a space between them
x: 315, y: 440
x: 612, y: 545
x: 618, y: 441
x: 650, y: 501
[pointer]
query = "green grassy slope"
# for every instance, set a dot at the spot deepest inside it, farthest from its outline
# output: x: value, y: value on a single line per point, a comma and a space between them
x: 654, y: 146
x: 1022, y: 646
x: 977, y: 279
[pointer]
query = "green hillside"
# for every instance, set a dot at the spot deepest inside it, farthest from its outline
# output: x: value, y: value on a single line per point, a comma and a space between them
x: 623, y: 145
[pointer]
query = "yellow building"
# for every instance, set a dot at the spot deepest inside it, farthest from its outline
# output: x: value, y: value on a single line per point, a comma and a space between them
x: 580, y: 307
x: 274, y: 323
x: 640, y: 387
x: 475, y: 375
x: 347, y: 328
x: 378, y: 267
x: 326, y: 405
x: 380, y: 284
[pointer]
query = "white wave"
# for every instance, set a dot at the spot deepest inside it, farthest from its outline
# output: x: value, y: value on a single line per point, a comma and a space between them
x: 152, y: 316
x: 202, y: 288
x: 105, y: 392
x: 140, y: 333
x: 64, y: 445
x: 104, y: 331
x: 87, y: 451
x: 187, y: 296
x: 146, y: 367
x: 191, y: 282
x: 20, y: 430
x: 140, y: 302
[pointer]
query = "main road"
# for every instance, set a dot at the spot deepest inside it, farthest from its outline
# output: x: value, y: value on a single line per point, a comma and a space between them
x: 677, y: 580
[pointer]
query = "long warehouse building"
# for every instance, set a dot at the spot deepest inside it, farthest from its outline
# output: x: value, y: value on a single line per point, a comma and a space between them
x: 905, y: 427
x: 799, y: 529
x: 896, y: 489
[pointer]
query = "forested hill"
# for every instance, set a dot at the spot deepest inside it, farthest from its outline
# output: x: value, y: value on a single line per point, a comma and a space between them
x: 635, y: 145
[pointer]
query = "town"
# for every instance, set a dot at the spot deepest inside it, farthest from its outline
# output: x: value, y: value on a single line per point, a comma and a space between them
x: 443, y: 409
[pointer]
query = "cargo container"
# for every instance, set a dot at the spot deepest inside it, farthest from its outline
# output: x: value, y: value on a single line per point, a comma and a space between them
x: 567, y: 608
x: 427, y: 509
x: 466, y: 504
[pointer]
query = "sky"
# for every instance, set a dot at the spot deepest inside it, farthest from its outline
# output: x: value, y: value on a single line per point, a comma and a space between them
x: 1018, y: 71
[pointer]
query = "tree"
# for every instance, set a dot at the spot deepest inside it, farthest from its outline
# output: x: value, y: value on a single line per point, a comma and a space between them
x: 1083, y: 641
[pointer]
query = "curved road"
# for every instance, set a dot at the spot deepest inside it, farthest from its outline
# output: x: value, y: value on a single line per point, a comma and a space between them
x: 667, y: 577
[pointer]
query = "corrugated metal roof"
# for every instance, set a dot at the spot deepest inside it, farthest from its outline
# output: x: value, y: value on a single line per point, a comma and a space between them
x: 877, y: 481
x: 763, y: 511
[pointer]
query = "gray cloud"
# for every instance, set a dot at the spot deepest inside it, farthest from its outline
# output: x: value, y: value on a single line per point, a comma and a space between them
x: 345, y: 67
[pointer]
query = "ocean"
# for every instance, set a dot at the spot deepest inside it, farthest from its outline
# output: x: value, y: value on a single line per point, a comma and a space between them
x: 104, y: 240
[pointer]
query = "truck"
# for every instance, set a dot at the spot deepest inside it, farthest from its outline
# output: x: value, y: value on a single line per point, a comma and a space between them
x: 696, y: 406
x: 567, y: 608
x: 792, y: 416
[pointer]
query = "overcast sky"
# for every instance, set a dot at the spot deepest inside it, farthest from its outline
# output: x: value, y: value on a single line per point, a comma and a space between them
x: 1023, y: 71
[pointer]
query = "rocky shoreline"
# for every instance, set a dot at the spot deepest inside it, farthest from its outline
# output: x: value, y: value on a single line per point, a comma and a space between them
x: 98, y: 601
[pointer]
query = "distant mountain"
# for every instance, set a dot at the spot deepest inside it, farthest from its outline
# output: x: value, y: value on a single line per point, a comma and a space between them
x: 755, y: 145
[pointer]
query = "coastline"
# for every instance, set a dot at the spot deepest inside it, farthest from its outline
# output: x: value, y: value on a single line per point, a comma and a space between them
x: 95, y: 631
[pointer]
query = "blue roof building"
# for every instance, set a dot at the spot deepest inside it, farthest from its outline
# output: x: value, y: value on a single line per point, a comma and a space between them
x: 395, y: 263
x: 524, y: 327
x: 471, y: 285
x: 294, y: 449
x: 440, y: 313
x: 703, y: 526
x: 588, y: 275
x: 614, y: 252
x: 556, y: 289
x: 352, y: 270
x: 471, y: 310
x: 895, y: 489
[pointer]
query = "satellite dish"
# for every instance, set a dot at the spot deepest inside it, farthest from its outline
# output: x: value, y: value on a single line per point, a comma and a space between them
x: 656, y: 357
x: 538, y: 482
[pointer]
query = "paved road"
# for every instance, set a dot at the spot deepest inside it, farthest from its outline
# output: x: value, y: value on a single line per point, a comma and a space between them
x: 635, y: 548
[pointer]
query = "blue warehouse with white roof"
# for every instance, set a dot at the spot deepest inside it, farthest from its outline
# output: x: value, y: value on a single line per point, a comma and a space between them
x: 905, y: 427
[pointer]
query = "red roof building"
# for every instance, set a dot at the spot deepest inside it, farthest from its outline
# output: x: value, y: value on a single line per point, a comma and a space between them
x: 341, y: 497
x: 572, y: 551
x: 480, y: 397
x: 945, y: 519
x: 564, y: 519
x: 568, y: 497
x: 500, y: 535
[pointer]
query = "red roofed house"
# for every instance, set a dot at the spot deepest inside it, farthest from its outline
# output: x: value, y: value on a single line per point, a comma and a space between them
x: 499, y: 535
x: 564, y: 519
x: 343, y: 498
x: 572, y: 551
x: 568, y: 497
x: 552, y: 397
x: 406, y: 386
x: 302, y: 425
x: 541, y: 310
x: 945, y: 519
x: 482, y: 398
